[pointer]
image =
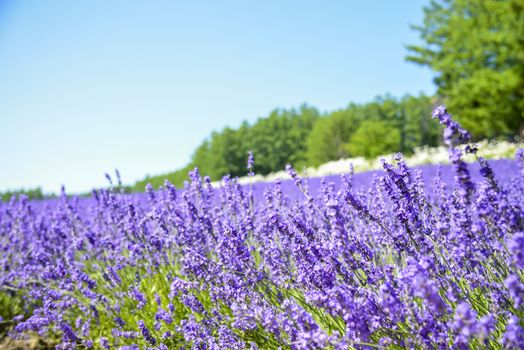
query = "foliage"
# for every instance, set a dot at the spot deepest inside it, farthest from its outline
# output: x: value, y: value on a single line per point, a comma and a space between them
x: 35, y: 193
x: 477, y: 51
x: 281, y: 138
x: 373, y: 138
x: 416, y: 127
x: 11, y: 306
x: 354, y: 131
x: 329, y: 136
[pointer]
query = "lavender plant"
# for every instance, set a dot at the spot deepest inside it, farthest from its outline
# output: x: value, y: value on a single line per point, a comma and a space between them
x: 407, y: 261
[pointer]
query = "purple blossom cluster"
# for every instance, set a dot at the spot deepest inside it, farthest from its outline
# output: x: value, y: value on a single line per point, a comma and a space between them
x: 396, y: 263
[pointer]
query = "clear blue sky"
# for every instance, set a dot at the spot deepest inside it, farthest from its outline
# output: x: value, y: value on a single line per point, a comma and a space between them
x: 90, y: 86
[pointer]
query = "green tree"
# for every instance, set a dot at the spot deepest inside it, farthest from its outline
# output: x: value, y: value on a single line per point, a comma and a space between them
x: 329, y: 136
x: 476, y: 49
x: 281, y: 138
x: 35, y: 193
x: 373, y: 138
x: 203, y: 158
x: 415, y: 123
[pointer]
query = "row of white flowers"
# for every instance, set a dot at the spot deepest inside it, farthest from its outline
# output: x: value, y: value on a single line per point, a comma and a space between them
x: 421, y: 155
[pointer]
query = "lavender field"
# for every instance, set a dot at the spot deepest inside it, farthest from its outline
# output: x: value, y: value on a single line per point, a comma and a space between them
x: 404, y: 258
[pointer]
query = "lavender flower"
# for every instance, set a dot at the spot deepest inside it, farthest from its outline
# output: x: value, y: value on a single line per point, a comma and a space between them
x: 69, y: 334
x: 401, y: 258
x: 516, y: 289
x: 514, y: 335
x: 453, y: 132
x: 516, y: 247
x: 250, y: 163
x: 146, y: 333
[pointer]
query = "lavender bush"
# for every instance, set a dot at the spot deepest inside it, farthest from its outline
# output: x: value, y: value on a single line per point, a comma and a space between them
x: 395, y: 263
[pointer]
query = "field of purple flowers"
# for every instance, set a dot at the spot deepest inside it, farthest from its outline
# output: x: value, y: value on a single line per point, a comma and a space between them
x: 420, y: 258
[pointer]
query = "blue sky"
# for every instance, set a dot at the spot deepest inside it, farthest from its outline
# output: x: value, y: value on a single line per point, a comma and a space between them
x: 90, y: 86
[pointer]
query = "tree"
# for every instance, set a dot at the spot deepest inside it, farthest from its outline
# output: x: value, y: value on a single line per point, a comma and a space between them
x: 476, y: 49
x: 373, y: 138
x: 35, y: 193
x: 281, y: 138
x: 329, y: 136
x: 415, y: 122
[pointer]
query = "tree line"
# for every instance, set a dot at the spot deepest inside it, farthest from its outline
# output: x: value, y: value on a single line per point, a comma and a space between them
x: 304, y: 136
x: 34, y: 193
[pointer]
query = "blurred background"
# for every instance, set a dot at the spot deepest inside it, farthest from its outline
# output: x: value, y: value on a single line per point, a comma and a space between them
x: 156, y: 88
